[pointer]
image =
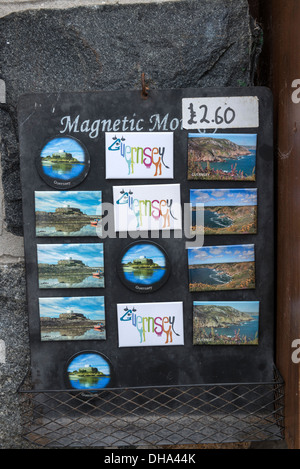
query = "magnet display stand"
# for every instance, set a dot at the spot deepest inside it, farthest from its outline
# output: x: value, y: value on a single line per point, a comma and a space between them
x: 95, y: 121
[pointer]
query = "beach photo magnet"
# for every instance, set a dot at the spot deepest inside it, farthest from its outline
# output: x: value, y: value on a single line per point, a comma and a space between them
x: 70, y: 265
x: 67, y: 213
x: 150, y: 324
x: 63, y: 162
x: 72, y: 318
x: 214, y: 268
x: 225, y: 211
x: 89, y: 371
x: 139, y: 155
x: 225, y: 322
x: 222, y: 157
x: 143, y: 267
x: 147, y: 207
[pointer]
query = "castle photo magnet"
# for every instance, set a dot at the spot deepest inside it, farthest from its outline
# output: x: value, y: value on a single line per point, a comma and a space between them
x: 144, y: 266
x: 68, y: 213
x: 72, y: 318
x: 70, y: 265
x: 63, y: 162
x: 88, y: 370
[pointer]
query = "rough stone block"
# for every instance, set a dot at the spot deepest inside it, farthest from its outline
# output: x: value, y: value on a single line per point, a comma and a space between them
x: 176, y: 44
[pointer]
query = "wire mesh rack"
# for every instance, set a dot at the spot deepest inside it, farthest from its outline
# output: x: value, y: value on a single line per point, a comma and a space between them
x: 134, y: 417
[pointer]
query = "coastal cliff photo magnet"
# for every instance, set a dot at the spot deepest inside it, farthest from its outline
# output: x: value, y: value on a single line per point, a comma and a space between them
x: 70, y: 265
x: 72, y: 318
x: 221, y: 268
x: 63, y: 163
x: 89, y: 370
x: 143, y: 267
x: 225, y: 323
x: 225, y: 157
x: 68, y: 213
x: 225, y: 211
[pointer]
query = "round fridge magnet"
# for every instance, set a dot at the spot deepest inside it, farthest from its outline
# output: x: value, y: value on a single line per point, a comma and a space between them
x: 63, y: 163
x: 89, y: 371
x: 143, y: 267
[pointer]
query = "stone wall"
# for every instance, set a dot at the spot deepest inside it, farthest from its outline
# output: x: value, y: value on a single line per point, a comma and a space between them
x: 90, y: 45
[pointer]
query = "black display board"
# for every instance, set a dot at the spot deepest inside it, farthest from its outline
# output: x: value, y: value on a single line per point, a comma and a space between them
x: 42, y: 117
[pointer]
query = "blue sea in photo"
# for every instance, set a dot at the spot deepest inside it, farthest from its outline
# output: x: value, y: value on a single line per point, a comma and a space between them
x: 155, y: 275
x: 89, y: 384
x: 63, y: 171
x: 87, y: 230
x: 248, y: 329
x: 208, y: 276
x: 90, y: 334
x: 68, y: 282
x: 244, y: 163
x: 212, y: 219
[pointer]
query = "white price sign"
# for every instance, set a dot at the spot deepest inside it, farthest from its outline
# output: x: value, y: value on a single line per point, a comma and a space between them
x: 220, y: 112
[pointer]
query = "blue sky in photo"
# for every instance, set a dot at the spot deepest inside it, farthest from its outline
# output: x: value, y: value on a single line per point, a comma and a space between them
x: 244, y: 306
x: 89, y: 202
x: 91, y: 306
x: 89, y: 254
x: 239, y: 139
x: 223, y: 197
x: 221, y: 254
x: 63, y: 144
x: 148, y: 250
x: 89, y: 359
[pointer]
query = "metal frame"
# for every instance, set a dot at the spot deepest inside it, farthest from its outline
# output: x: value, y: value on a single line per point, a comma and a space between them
x: 208, y: 413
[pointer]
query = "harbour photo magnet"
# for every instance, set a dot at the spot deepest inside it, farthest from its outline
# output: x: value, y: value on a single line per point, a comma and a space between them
x: 72, y: 318
x: 70, y: 265
x: 143, y: 267
x: 68, y: 213
x: 63, y: 162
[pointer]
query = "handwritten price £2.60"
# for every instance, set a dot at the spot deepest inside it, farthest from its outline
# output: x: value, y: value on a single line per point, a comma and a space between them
x: 220, y: 112
x: 227, y: 117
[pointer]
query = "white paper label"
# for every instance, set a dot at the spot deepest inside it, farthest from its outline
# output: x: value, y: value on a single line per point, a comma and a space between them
x: 139, y: 155
x: 220, y: 112
x: 147, y: 324
x: 147, y: 207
